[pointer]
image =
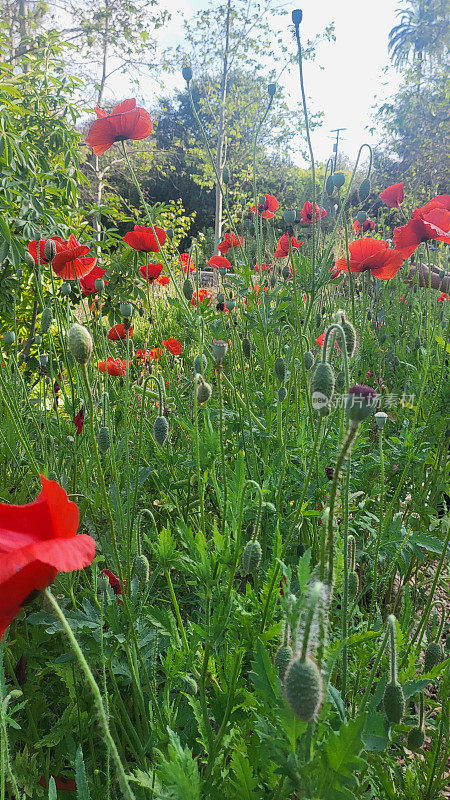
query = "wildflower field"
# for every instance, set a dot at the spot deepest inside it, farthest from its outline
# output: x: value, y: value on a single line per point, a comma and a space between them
x: 224, y: 474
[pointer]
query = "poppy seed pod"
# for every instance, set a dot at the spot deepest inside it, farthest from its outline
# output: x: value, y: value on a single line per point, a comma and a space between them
x: 329, y: 186
x: 200, y: 363
x: 80, y: 343
x: 360, y: 402
x: 246, y: 347
x: 323, y: 380
x: 219, y: 350
x: 226, y: 175
x: 9, y: 337
x: 38, y: 339
x: 271, y: 89
x: 142, y: 568
x: 65, y: 289
x: 46, y: 319
x: 338, y: 179
x: 204, y: 391
x: 415, y: 740
x: 282, y: 659
x: 308, y: 360
x: 381, y: 419
x: 50, y: 249
x: 160, y: 430
x: 361, y: 216
x: 282, y: 394
x: 289, y: 216
x: 188, y: 289
x: 280, y: 369
x: 303, y: 686
x: 297, y: 16
x: 364, y: 189
x: 394, y: 702
x: 99, y: 284
x: 433, y: 656
x: 187, y: 74
x: 43, y: 360
x: 251, y: 557
x: 104, y: 440
x: 126, y: 309
x: 350, y: 336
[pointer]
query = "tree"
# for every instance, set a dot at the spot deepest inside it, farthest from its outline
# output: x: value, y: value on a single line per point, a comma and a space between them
x: 418, y: 38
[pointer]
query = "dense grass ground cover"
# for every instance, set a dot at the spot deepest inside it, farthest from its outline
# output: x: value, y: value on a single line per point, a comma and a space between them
x: 243, y: 510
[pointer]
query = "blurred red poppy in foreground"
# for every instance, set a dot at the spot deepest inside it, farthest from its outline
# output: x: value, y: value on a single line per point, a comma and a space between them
x: 230, y: 240
x: 393, y: 195
x: 88, y: 282
x: 374, y: 255
x: 282, y: 250
x: 126, y: 121
x: 268, y: 208
x: 68, y: 262
x: 173, y: 346
x: 143, y: 239
x: 151, y: 271
x: 368, y: 225
x: 432, y: 221
x: 186, y: 262
x: 114, y: 366
x: 263, y: 267
x: 440, y: 200
x: 118, y: 332
x: 38, y: 540
x: 219, y: 262
x: 306, y: 214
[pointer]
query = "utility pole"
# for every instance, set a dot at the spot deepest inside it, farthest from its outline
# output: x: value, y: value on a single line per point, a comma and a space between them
x: 336, y: 145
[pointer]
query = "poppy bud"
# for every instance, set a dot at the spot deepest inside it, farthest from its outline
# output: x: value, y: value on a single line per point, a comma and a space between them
x: 230, y: 304
x: 416, y: 738
x: 433, y: 656
x: 204, y: 391
x: 361, y: 217
x: 364, y: 189
x: 46, y: 319
x: 219, y: 350
x: 297, y: 16
x: 43, y: 360
x: 104, y: 440
x: 142, y: 568
x: 303, y: 686
x: 323, y: 381
x: 188, y: 289
x: 80, y: 343
x: 28, y: 258
x: 286, y: 272
x: 126, y: 310
x: 200, y: 363
x: 360, y: 402
x: 65, y: 289
x: 38, y: 339
x: 338, y: 179
x: 220, y: 297
x: 282, y: 394
x: 50, y: 249
x: 190, y: 685
x: 369, y: 316
x: 353, y: 585
x: 350, y: 336
x: 394, y: 702
x: 246, y: 347
x: 9, y: 337
x: 340, y: 381
x: 280, y: 369
x: 187, y: 74
x: 308, y: 360
x: 271, y: 89
x: 102, y: 584
x: 329, y: 185
x: 251, y: 557
x: 226, y: 175
x: 160, y: 430
x: 381, y: 419
x: 289, y: 216
x: 282, y: 659
x: 99, y: 284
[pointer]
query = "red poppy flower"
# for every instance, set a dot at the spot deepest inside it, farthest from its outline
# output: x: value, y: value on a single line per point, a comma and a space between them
x: 307, y: 212
x: 219, y: 262
x: 430, y: 222
x: 151, y: 271
x: 114, y: 366
x: 126, y: 121
x: 443, y: 296
x: 186, y: 262
x: 393, y: 195
x: 321, y: 339
x: 60, y: 783
x: 114, y: 581
x: 173, y: 346
x: 203, y: 294
x: 155, y: 353
x: 164, y: 280
x: 263, y: 267
x: 374, y: 255
x: 230, y: 239
x: 118, y: 332
x: 67, y: 263
x: 88, y: 282
x: 268, y: 208
x: 32, y: 249
x: 143, y: 239
x: 78, y: 420
x: 38, y: 540
x: 282, y: 250
x: 368, y: 225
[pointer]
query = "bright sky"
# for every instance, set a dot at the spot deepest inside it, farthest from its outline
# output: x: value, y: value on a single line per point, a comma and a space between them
x: 346, y: 77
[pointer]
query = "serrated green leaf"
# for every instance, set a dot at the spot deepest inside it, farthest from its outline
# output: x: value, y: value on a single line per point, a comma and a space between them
x: 263, y: 675
x: 244, y: 780
x: 80, y: 777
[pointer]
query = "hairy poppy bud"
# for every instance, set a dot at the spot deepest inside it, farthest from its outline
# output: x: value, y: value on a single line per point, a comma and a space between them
x: 126, y: 309
x: 303, y: 686
x: 142, y: 568
x: 271, y: 89
x: 99, y: 284
x: 308, y: 360
x: 329, y: 185
x: 104, y: 440
x: 9, y: 337
x: 282, y: 394
x: 381, y: 419
x: 219, y: 350
x: 360, y: 402
x: 297, y: 16
x: 364, y: 189
x: 80, y: 343
x: 433, y: 656
x: 394, y: 702
x: 340, y: 381
x: 353, y: 585
x: 190, y: 685
x: 65, y: 289
x: 282, y: 659
x: 50, y: 249
x: 204, y: 391
x: 251, y: 557
x: 289, y: 216
x: 188, y: 289
x: 28, y: 258
x: 226, y: 175
x: 338, y: 179
x: 187, y: 74
x: 200, y: 363
x: 350, y: 336
x: 280, y: 369
x: 246, y: 347
x: 416, y: 738
x: 160, y: 430
x: 361, y: 216
x: 322, y: 384
x: 46, y: 319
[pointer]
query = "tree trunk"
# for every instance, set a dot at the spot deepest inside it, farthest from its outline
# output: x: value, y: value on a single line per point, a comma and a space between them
x: 220, y: 162
x: 93, y: 159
